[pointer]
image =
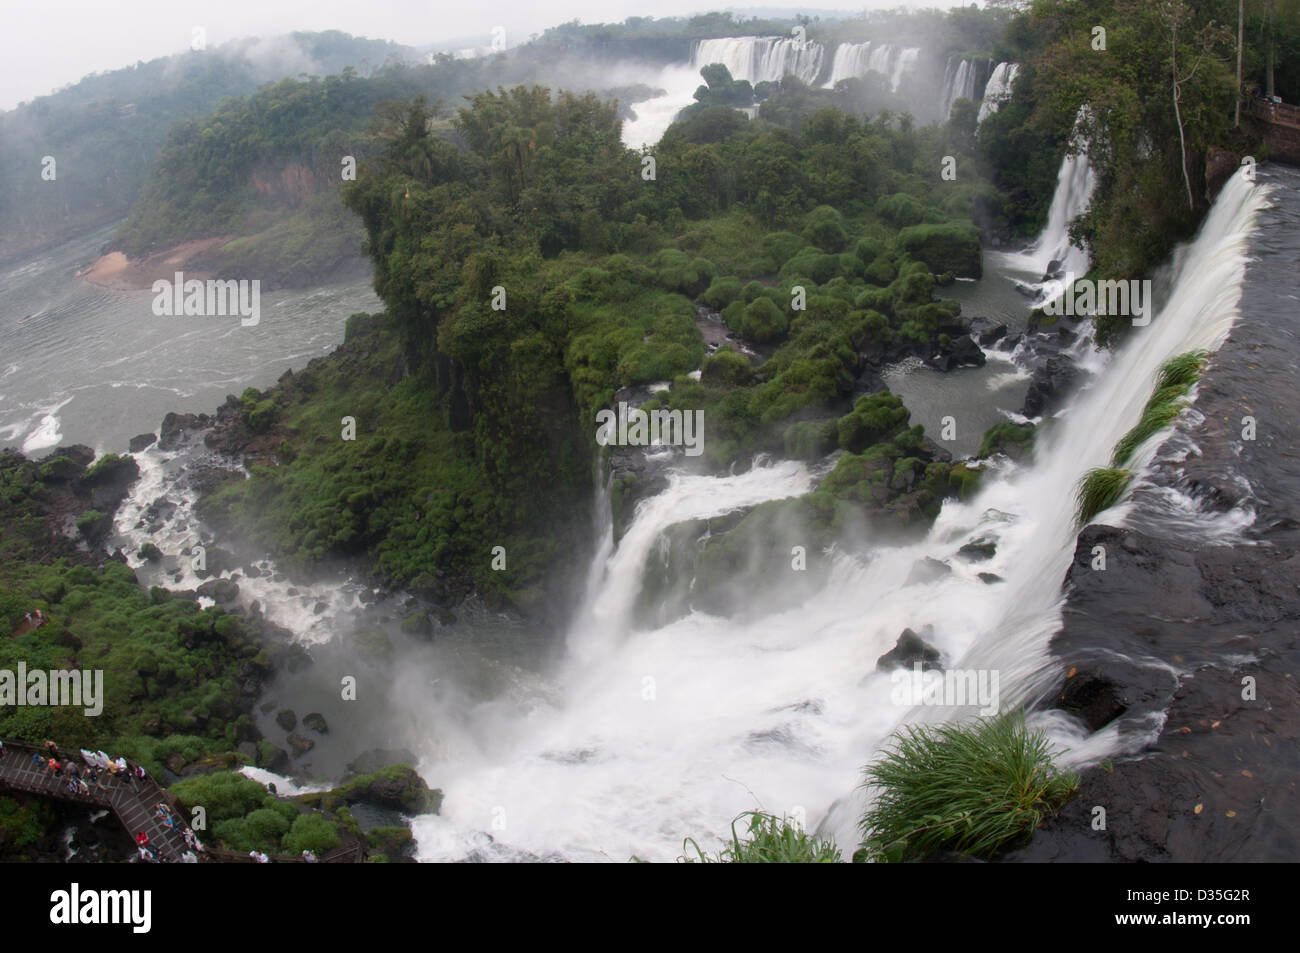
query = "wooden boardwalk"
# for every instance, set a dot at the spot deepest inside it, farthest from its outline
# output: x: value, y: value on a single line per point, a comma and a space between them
x: 134, y: 804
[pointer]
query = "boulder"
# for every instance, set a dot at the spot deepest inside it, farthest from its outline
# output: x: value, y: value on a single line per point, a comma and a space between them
x: 316, y: 722
x: 927, y: 570
x: 220, y: 591
x: 907, y: 651
x: 1048, y: 385
x: 986, y: 331
x: 299, y: 744
x: 978, y: 550
x: 286, y: 719
x: 143, y: 442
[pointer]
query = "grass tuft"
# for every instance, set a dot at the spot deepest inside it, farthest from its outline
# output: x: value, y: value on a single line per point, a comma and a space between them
x: 1174, y: 379
x: 1100, y: 489
x: 772, y: 840
x: 976, y: 787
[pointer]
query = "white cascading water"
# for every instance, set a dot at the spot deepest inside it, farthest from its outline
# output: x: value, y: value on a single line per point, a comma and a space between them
x: 959, y: 82
x: 852, y: 60
x: 1075, y: 183
x: 998, y: 89
x: 761, y: 58
x: 654, y: 736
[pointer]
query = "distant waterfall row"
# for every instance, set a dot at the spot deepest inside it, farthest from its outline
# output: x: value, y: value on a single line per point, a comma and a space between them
x: 858, y: 59
x: 761, y: 58
x: 770, y: 59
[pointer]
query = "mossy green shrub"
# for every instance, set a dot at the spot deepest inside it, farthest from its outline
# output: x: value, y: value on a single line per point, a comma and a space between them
x: 944, y: 248
x: 770, y: 840
x: 1006, y: 438
x: 677, y: 271
x: 824, y: 227
x: 726, y: 368
x: 780, y: 247
x: 810, y: 440
x: 874, y: 417
x: 311, y: 832
x: 722, y: 292
x: 764, y: 322
x: 976, y: 787
x: 23, y: 824
x: 901, y: 209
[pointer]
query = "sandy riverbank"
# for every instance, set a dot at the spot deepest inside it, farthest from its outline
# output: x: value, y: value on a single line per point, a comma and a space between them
x: 118, y: 273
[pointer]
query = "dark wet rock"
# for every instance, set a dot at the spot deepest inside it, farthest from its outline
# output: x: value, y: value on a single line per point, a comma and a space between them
x: 216, y: 561
x: 989, y: 578
x: 927, y: 570
x: 220, y: 591
x: 95, y: 529
x: 978, y: 550
x: 176, y: 427
x: 272, y: 757
x: 316, y: 722
x: 143, y: 442
x: 286, y: 719
x: 986, y: 330
x: 1048, y: 386
x: 252, y: 571
x: 632, y: 479
x: 934, y: 451
x: 150, y: 553
x: 962, y: 351
x: 319, y: 607
x: 109, y: 481
x: 396, y: 787
x: 1093, y: 698
x: 909, y: 650
x: 300, y: 745
x: 78, y: 455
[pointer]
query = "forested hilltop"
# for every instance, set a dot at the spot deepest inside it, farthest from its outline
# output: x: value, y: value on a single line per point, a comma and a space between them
x: 105, y: 130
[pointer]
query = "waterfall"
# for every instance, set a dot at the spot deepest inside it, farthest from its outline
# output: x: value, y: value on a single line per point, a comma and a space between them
x: 652, y: 736
x: 998, y: 89
x: 761, y: 58
x: 857, y: 59
x: 1074, y: 186
x: 960, y: 81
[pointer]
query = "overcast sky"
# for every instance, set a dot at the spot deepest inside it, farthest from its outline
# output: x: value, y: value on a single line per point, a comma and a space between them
x: 45, y: 44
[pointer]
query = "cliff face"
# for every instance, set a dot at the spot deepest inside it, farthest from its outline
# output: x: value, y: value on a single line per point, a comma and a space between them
x: 1193, y: 638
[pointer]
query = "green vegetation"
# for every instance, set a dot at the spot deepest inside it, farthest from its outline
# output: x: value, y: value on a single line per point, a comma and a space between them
x: 772, y: 840
x: 1100, y: 489
x: 977, y: 788
x: 173, y: 673
x: 1006, y: 438
x: 244, y: 817
x: 1151, y: 158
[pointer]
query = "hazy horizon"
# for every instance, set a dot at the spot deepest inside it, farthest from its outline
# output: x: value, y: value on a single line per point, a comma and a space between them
x: 72, y: 39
